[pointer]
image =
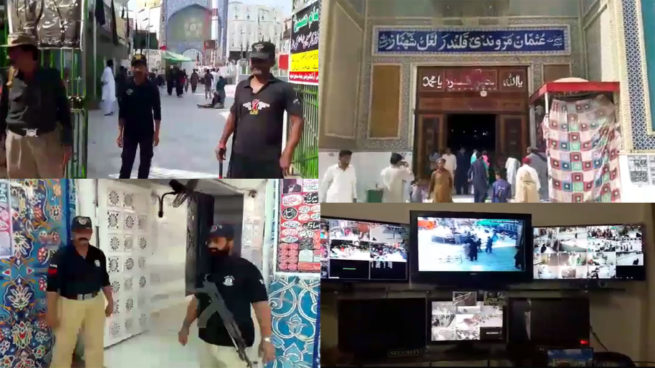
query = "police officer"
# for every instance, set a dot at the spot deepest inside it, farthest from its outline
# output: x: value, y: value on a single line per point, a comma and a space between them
x: 76, y: 275
x: 256, y: 119
x: 241, y: 284
x: 34, y: 114
x: 138, y: 105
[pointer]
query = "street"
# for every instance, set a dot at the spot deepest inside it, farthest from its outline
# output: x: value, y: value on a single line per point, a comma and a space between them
x: 188, y: 138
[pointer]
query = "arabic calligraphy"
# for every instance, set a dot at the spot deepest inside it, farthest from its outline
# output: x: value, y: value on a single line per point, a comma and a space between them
x: 553, y: 39
x: 307, y: 20
x: 305, y: 31
x: 513, y: 80
x: 57, y: 24
x: 455, y: 79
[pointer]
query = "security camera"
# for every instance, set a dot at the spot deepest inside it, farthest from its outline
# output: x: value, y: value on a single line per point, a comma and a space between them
x: 252, y: 194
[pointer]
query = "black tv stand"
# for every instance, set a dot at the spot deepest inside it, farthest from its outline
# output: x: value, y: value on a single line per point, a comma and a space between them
x: 466, y: 349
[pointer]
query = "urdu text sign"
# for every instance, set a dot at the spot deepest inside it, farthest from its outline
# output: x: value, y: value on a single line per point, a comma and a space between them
x: 544, y: 40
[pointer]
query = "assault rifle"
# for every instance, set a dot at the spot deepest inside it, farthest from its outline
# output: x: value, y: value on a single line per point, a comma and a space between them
x: 217, y: 305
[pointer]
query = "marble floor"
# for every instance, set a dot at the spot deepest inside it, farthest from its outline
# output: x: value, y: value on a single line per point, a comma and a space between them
x: 158, y: 347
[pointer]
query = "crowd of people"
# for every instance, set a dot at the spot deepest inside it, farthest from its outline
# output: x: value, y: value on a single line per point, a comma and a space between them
x: 460, y: 173
x: 506, y: 180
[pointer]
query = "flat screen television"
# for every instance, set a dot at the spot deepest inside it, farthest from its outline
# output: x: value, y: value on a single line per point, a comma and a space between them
x: 381, y: 327
x: 597, y: 252
x: 458, y: 321
x: 552, y: 322
x: 470, y: 247
x: 359, y: 250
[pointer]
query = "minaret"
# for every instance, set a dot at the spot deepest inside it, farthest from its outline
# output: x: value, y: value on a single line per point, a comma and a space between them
x: 214, y: 9
x: 162, y: 22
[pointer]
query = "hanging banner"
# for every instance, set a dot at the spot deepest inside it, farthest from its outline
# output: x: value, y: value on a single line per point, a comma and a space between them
x: 524, y: 40
x: 304, y: 45
x: 299, y: 239
x: 5, y: 221
x: 58, y: 24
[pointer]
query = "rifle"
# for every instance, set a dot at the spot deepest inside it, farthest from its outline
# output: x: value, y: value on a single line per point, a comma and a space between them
x: 217, y: 305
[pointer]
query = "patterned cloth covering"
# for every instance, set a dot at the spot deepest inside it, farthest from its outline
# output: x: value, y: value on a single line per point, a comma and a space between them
x: 583, y: 142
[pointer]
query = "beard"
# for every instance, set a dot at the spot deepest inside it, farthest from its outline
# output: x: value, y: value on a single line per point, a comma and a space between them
x: 219, y: 253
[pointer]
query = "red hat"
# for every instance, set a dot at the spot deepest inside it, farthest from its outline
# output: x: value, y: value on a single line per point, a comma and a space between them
x: 526, y: 160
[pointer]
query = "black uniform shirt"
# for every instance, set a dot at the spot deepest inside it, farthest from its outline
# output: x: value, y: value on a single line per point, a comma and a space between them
x: 36, y: 104
x: 260, y: 117
x: 71, y: 274
x: 241, y: 284
x: 137, y: 106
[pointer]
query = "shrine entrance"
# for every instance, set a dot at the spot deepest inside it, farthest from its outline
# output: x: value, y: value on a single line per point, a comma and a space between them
x: 471, y: 131
x: 483, y: 108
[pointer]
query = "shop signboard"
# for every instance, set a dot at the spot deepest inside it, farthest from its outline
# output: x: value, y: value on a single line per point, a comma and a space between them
x: 304, y: 45
x: 552, y: 40
x: 300, y: 213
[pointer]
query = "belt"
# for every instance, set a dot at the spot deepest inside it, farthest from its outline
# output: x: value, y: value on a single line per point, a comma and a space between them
x: 29, y: 132
x: 81, y: 296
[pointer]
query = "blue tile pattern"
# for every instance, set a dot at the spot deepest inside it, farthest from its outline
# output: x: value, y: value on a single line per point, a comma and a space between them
x: 40, y: 214
x: 640, y: 139
x: 294, y: 305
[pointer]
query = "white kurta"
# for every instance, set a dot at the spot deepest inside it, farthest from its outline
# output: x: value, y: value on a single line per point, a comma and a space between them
x: 393, y: 179
x: 451, y: 163
x: 339, y: 186
x: 108, y: 91
x: 512, y: 165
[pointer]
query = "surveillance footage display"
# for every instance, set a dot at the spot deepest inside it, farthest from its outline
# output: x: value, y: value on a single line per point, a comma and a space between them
x: 465, y: 319
x: 470, y: 245
x: 589, y: 252
x: 360, y: 250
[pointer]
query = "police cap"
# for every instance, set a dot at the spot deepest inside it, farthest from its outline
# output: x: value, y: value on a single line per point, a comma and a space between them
x: 81, y: 223
x: 221, y: 231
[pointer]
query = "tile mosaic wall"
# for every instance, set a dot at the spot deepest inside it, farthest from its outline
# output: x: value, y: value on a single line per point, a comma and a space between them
x: 41, y: 211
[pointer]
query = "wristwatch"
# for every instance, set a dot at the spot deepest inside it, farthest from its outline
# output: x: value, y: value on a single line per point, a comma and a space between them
x: 267, y: 339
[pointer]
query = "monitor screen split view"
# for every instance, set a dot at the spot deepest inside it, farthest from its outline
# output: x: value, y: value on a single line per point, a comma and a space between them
x: 462, y: 282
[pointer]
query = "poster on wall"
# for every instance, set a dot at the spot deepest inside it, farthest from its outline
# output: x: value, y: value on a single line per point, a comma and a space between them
x: 638, y: 167
x: 58, y: 23
x: 5, y: 221
x: 304, y: 45
x: 299, y: 239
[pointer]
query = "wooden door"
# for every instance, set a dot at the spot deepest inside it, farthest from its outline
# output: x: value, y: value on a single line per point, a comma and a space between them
x: 430, y: 136
x: 513, y: 132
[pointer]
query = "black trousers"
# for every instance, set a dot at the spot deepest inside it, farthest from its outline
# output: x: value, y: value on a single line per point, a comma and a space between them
x: 130, y: 143
x: 243, y: 167
x: 169, y: 88
x: 480, y: 196
x: 461, y: 184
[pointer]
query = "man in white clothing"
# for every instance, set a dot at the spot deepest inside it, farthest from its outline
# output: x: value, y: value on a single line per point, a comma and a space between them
x: 451, y: 162
x: 393, y: 178
x: 108, y: 89
x: 340, y: 182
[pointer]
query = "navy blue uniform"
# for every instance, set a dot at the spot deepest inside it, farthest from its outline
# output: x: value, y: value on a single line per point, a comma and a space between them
x: 71, y: 275
x: 240, y: 284
x: 139, y: 105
